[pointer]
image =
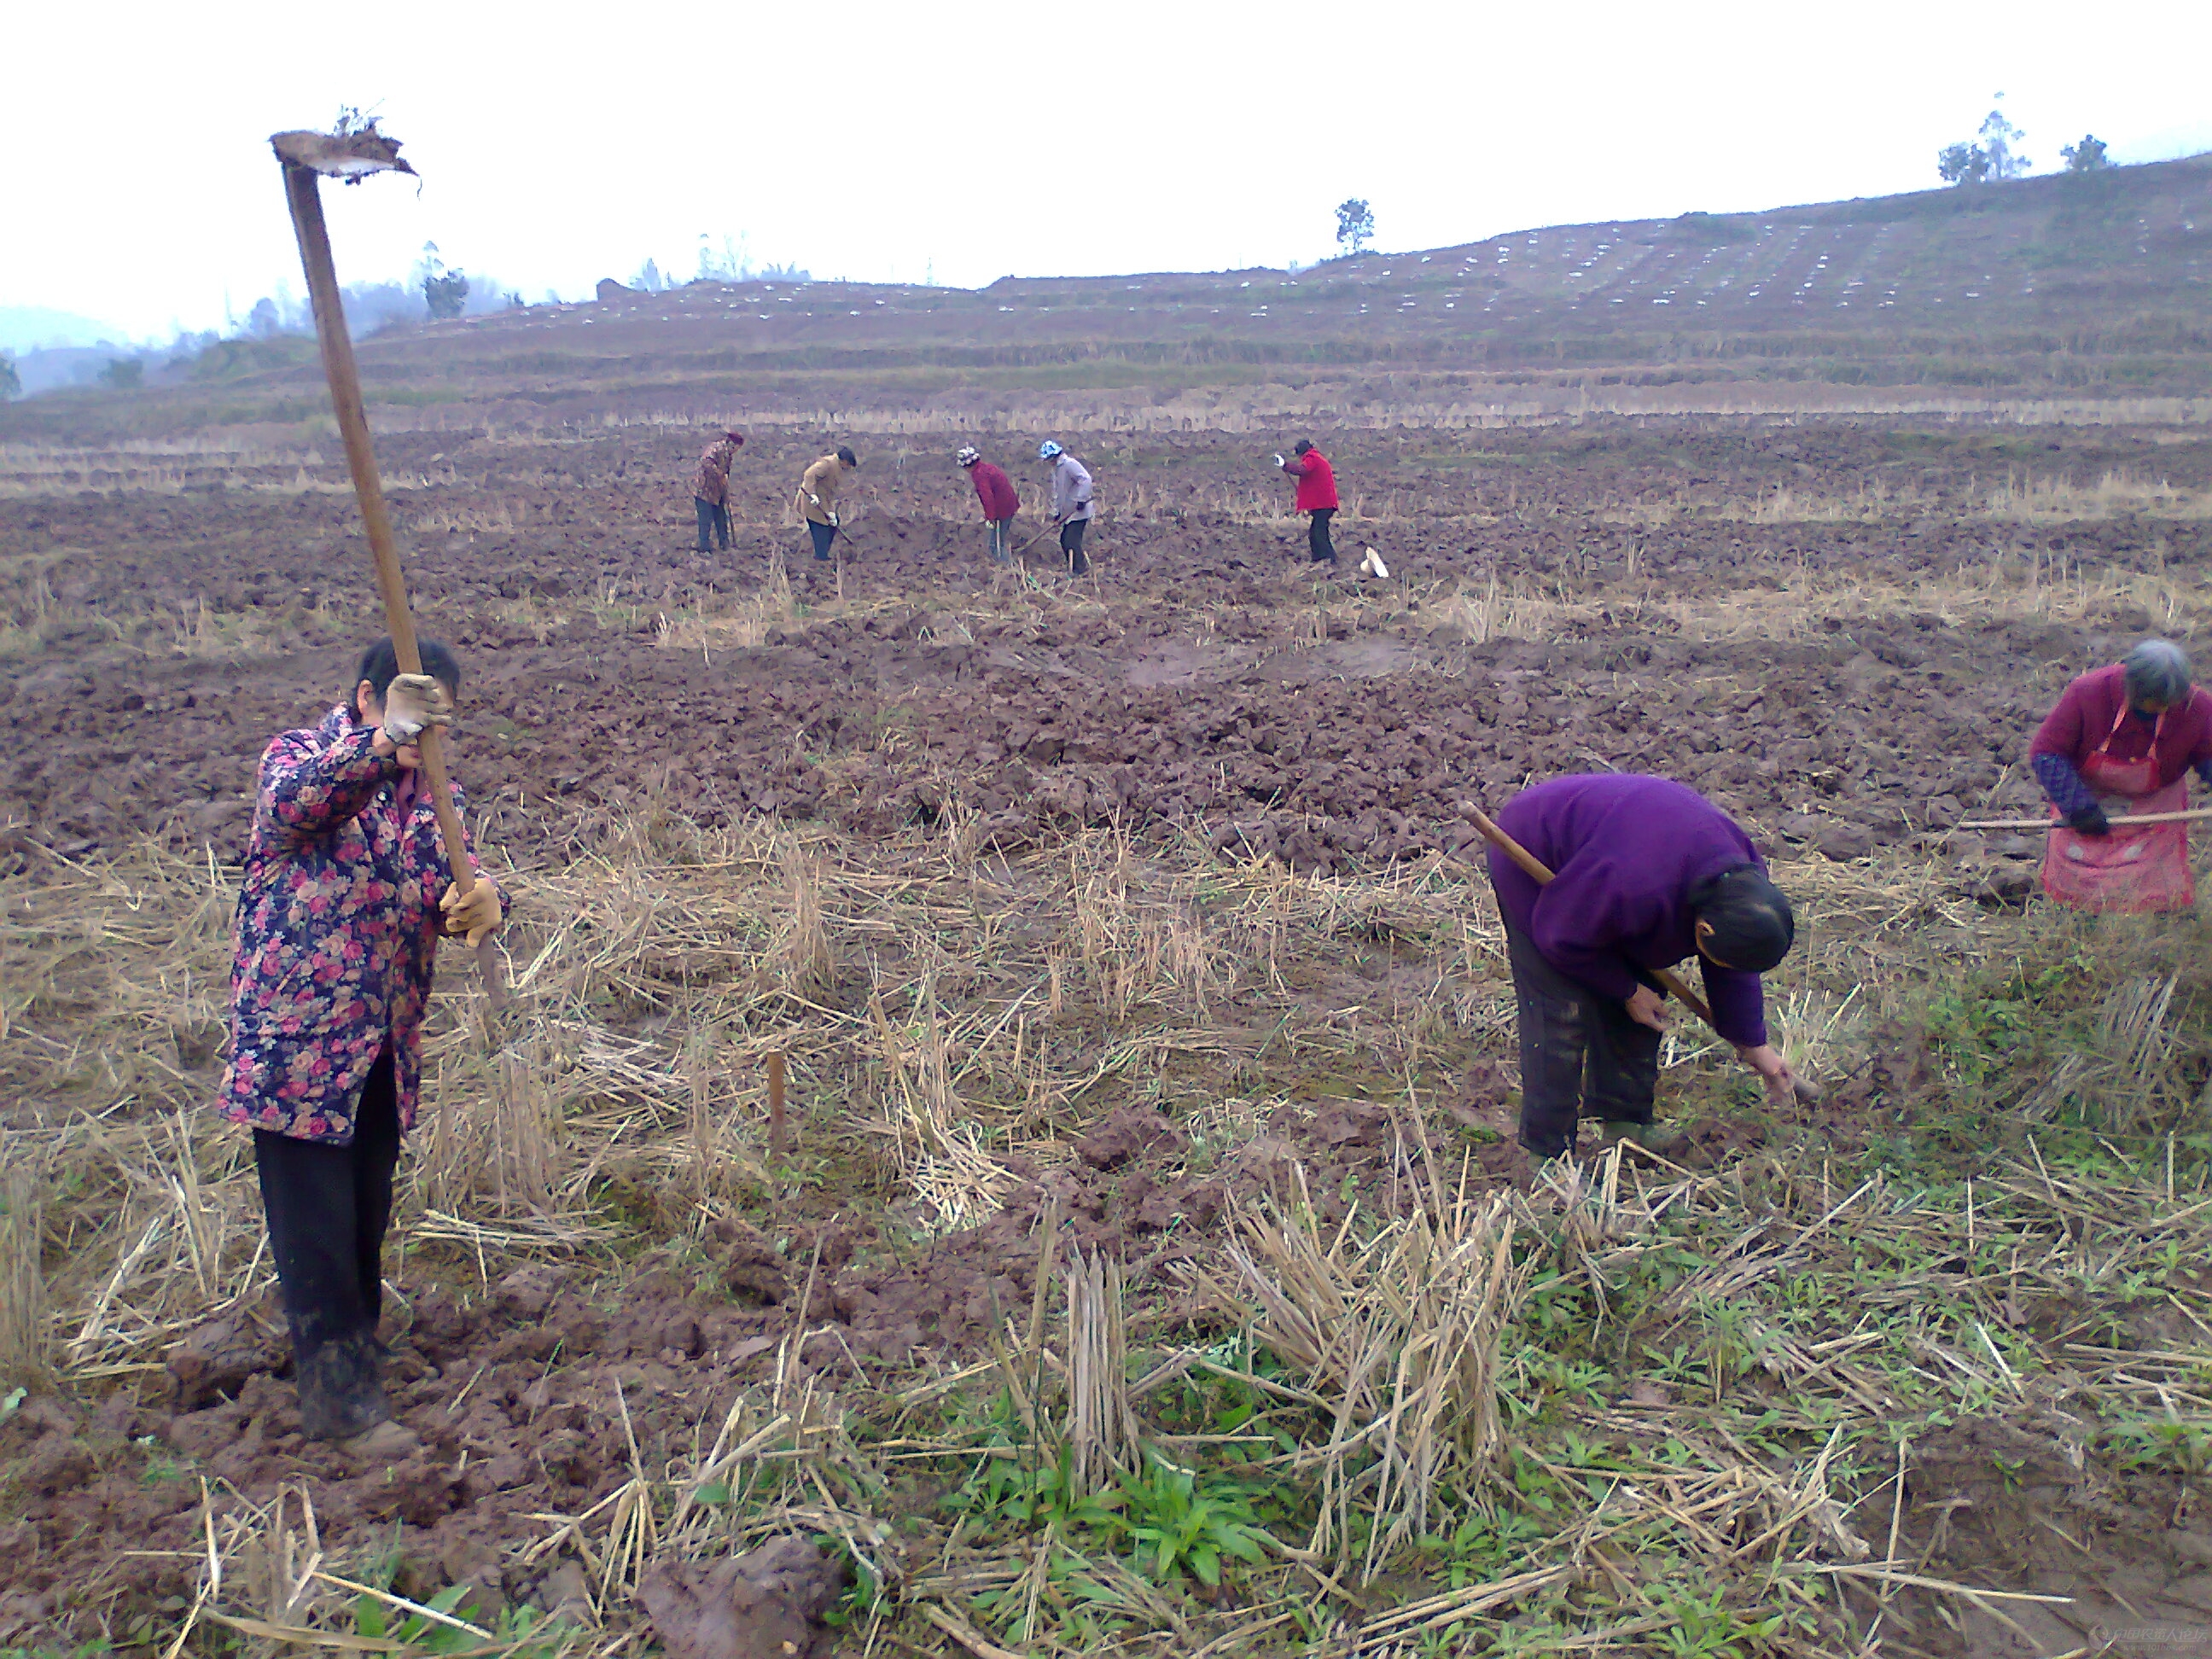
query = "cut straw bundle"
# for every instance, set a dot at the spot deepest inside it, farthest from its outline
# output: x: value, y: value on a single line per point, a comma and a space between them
x: 1398, y: 1328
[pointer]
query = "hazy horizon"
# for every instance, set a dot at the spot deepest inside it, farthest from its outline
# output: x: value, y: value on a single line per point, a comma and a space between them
x: 880, y: 145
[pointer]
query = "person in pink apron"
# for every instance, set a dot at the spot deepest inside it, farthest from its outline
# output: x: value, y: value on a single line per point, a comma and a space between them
x: 2120, y: 743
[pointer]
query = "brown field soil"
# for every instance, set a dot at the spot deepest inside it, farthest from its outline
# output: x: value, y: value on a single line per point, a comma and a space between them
x: 1116, y: 920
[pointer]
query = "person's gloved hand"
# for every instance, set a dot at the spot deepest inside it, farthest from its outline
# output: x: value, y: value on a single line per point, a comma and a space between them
x: 2090, y: 820
x: 477, y: 916
x: 412, y: 702
x: 836, y: 523
x: 1278, y: 460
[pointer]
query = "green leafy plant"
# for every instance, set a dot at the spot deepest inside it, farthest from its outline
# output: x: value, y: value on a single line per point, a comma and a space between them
x: 2182, y: 1444
x: 1089, y: 1609
x: 1485, y: 1547
x: 1704, y: 1629
x: 1009, y: 1489
x: 1181, y: 1523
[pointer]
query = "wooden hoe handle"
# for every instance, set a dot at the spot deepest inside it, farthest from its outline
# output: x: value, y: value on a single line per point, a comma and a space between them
x: 302, y: 191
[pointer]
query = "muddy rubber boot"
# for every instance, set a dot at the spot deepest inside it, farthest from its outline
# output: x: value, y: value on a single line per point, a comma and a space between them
x: 341, y: 1396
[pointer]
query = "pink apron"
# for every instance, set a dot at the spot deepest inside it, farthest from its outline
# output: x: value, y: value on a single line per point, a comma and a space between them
x: 2132, y: 870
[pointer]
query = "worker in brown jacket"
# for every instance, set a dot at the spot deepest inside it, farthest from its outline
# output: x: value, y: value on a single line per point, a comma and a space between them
x: 817, y: 501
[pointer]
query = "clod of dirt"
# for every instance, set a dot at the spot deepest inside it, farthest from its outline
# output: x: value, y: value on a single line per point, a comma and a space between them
x: 527, y: 1292
x: 1843, y: 841
x: 1347, y: 1123
x: 213, y: 1362
x: 767, y: 1604
x: 1125, y: 1135
x: 751, y: 1268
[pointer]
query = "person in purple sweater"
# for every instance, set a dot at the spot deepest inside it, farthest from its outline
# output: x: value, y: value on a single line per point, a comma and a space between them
x: 1645, y: 872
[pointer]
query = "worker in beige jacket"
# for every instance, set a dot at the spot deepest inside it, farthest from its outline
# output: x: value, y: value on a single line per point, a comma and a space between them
x: 817, y: 500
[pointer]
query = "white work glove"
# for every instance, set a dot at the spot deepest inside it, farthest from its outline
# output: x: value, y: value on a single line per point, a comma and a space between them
x: 477, y: 916
x: 836, y: 523
x: 1280, y: 461
x: 412, y: 702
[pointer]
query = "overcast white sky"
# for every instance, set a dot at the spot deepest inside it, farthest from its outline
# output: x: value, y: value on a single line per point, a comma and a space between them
x: 560, y: 143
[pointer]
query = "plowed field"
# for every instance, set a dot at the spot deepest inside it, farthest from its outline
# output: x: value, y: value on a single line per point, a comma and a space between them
x: 1094, y: 916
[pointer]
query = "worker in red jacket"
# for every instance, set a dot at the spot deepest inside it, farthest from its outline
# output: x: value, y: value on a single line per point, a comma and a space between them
x: 1317, y: 495
x: 995, y: 490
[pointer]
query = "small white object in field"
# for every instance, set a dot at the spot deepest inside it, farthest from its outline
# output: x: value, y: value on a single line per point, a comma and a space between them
x: 1373, y: 563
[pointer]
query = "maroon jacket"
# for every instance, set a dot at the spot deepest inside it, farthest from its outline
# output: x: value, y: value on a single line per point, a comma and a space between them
x: 995, y: 490
x: 2079, y: 726
x: 1317, y: 481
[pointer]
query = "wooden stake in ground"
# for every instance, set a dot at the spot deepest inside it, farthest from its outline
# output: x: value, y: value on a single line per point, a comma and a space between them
x: 1539, y: 872
x: 775, y: 1130
x: 353, y: 156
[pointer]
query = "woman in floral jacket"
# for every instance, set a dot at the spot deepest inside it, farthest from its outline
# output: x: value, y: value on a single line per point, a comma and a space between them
x: 346, y: 891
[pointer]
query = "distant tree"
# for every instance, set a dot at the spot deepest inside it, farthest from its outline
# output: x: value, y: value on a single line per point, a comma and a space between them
x: 1962, y: 164
x: 447, y: 295
x: 262, y: 321
x: 445, y: 289
x: 11, y: 383
x: 123, y: 374
x: 2088, y: 156
x: 1993, y: 157
x: 648, y: 279
x: 1355, y: 225
x: 1998, y: 137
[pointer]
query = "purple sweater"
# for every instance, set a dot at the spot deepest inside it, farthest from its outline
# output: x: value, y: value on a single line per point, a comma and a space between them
x: 1625, y: 853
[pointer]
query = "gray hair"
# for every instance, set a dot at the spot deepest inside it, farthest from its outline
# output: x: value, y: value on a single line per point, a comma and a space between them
x: 2158, y: 671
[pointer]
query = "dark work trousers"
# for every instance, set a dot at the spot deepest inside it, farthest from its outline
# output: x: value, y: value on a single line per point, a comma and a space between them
x: 1318, y: 541
x: 823, y: 534
x: 328, y: 1207
x: 715, y: 517
x: 1070, y: 542
x: 1579, y: 1052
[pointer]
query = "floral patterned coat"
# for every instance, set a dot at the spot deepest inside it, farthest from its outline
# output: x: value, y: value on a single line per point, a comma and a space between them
x: 338, y: 934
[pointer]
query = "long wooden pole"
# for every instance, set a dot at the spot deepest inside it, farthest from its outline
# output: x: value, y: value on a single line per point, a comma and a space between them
x: 2189, y: 816
x: 1542, y: 874
x: 302, y: 191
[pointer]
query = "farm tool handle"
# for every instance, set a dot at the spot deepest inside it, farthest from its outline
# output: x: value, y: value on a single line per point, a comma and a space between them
x: 1539, y: 872
x: 2189, y: 816
x: 303, y: 190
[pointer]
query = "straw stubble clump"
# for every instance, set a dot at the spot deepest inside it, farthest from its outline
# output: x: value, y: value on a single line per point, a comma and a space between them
x: 26, y: 1339
x: 1397, y: 1324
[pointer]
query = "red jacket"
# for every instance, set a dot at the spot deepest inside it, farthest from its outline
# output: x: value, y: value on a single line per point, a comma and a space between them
x: 1316, y: 480
x: 995, y: 490
x: 2081, y: 722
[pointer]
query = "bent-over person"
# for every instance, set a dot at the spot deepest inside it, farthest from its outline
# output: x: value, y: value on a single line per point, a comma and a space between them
x: 346, y: 892
x: 2123, y: 740
x: 817, y: 500
x: 1646, y: 872
x: 710, y: 488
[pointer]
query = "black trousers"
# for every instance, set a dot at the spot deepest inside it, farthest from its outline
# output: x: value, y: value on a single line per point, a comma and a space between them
x: 1318, y: 541
x: 328, y: 1207
x: 1580, y: 1053
x: 1070, y: 542
x: 823, y: 534
x: 715, y: 517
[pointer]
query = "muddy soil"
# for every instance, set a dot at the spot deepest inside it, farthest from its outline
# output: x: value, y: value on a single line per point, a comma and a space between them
x: 1205, y: 680
x: 1207, y: 684
x: 515, y: 1388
